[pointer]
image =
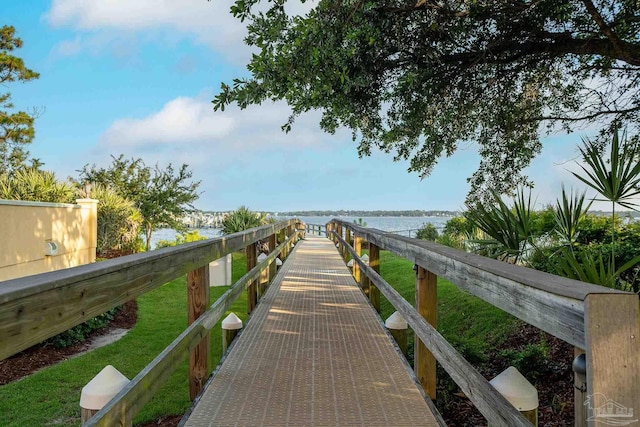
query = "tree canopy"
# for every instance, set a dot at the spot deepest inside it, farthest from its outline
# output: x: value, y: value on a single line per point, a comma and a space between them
x: 16, y: 127
x: 420, y: 78
x: 162, y: 195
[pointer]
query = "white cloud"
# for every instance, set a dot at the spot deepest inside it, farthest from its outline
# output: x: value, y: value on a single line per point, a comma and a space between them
x: 208, y: 22
x: 190, y: 125
x: 182, y: 120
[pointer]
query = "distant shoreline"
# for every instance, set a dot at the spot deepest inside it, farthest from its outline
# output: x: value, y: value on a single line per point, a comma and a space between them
x: 421, y: 213
x: 353, y: 213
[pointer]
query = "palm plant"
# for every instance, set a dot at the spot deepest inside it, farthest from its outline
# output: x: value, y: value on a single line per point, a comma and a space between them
x: 36, y: 185
x: 508, y: 228
x: 568, y: 214
x: 119, y: 222
x: 618, y: 179
x: 593, y: 269
x: 242, y: 219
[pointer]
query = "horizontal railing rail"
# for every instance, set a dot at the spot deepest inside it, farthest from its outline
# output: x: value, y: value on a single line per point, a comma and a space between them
x: 37, y: 307
x: 601, y: 322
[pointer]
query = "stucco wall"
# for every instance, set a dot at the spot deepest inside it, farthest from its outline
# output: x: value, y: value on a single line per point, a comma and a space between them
x: 26, y: 227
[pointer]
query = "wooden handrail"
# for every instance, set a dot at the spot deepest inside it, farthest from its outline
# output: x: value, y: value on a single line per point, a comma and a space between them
x: 552, y: 303
x: 493, y: 406
x: 601, y: 320
x: 37, y: 307
x: 130, y: 400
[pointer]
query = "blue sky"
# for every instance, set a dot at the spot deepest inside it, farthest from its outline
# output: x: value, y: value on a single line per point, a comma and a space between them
x: 137, y: 77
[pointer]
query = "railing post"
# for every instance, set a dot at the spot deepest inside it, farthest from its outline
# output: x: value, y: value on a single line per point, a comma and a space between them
x: 331, y: 228
x: 272, y: 266
x: 289, y: 232
x: 347, y: 238
x: 198, y: 302
x: 252, y: 290
x: 426, y: 305
x: 365, y: 283
x: 285, y: 249
x: 357, y: 247
x: 612, y: 348
x: 374, y: 263
x: 264, y: 277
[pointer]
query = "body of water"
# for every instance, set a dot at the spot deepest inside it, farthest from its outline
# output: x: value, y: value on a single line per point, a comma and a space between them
x: 403, y: 225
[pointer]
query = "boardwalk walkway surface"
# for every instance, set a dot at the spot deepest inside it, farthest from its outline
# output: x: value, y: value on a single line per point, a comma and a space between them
x: 313, y: 354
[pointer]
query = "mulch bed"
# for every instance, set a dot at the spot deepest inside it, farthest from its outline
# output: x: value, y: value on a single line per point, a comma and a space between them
x: 43, y: 355
x: 555, y: 384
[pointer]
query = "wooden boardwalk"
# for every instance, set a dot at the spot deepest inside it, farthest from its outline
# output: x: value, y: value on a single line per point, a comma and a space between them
x: 314, y: 354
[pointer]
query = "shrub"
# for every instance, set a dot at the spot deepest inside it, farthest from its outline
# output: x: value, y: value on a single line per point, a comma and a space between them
x: 242, y: 219
x: 531, y: 360
x: 456, y: 232
x: 427, y: 232
x: 594, y: 228
x: 80, y: 332
x: 119, y: 222
x: 189, y: 236
x: 36, y: 186
x: 543, y: 222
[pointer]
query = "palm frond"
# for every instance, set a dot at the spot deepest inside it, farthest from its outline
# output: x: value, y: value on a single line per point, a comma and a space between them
x: 618, y: 180
x: 568, y: 213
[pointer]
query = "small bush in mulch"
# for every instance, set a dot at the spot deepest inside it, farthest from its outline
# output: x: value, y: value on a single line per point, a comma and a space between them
x: 543, y: 359
x: 80, y: 333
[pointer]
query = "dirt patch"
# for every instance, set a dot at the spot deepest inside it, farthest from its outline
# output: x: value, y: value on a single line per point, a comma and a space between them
x: 43, y: 355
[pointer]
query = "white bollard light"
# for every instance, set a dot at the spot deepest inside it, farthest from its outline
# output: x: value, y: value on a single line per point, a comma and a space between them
x: 261, y: 257
x: 396, y: 321
x: 232, y: 322
x: 230, y: 327
x: 278, y: 262
x: 397, y: 326
x: 350, y: 263
x: 365, y: 258
x: 100, y: 390
x: 519, y: 392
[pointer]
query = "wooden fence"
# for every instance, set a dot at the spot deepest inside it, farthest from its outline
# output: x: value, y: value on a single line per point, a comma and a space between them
x: 599, y: 321
x: 37, y: 307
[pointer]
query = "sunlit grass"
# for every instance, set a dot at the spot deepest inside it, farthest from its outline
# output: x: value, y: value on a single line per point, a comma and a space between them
x: 463, y: 319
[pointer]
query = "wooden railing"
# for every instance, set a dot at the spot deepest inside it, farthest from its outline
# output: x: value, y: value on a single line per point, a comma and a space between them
x: 600, y: 321
x: 316, y: 229
x: 35, y: 308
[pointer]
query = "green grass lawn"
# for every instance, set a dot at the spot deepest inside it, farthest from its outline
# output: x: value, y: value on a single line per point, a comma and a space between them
x: 470, y: 324
x: 52, y: 396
